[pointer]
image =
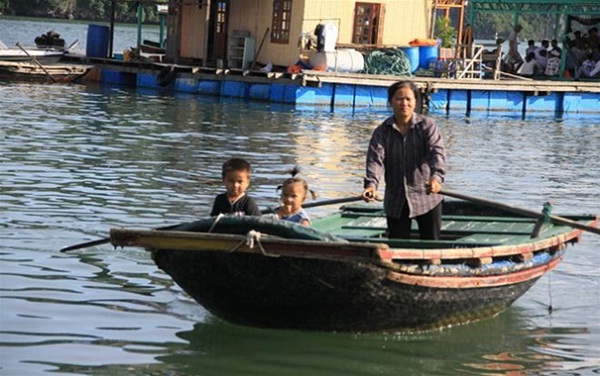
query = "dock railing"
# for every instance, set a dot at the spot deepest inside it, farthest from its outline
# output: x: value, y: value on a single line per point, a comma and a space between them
x: 475, y: 61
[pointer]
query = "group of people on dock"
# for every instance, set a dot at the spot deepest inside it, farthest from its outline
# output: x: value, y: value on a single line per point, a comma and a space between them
x: 582, y: 55
x: 406, y: 151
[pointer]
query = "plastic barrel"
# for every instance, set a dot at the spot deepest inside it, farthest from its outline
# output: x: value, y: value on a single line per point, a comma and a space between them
x: 427, y: 54
x: 413, y: 57
x: 343, y: 60
x: 97, y: 41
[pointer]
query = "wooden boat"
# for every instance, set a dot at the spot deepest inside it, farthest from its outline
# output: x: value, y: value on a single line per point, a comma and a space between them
x: 44, y: 73
x: 344, y: 274
x: 43, y: 54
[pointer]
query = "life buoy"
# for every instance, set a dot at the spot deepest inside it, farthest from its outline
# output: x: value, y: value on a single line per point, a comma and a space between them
x: 166, y: 76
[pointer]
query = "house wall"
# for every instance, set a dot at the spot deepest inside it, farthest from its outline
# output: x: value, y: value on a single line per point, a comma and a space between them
x: 256, y: 16
x: 194, y: 21
x: 404, y: 20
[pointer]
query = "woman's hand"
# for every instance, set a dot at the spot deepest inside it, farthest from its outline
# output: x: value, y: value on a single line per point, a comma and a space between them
x: 433, y: 186
x: 368, y: 194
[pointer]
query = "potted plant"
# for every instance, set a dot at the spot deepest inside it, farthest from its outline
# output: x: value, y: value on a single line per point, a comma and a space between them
x: 447, y: 34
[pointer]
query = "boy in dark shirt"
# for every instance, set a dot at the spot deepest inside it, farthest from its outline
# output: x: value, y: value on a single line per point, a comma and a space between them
x: 236, y: 177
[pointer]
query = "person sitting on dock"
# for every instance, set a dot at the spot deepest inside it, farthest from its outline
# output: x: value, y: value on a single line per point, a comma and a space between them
x: 554, y: 47
x: 236, y: 177
x: 593, y: 42
x: 542, y: 61
x: 588, y: 69
x: 530, y: 67
x: 553, y: 64
x: 531, y: 47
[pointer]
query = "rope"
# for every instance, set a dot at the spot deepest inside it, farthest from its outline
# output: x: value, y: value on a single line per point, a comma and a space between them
x: 221, y: 215
x: 392, y: 61
x: 252, y: 238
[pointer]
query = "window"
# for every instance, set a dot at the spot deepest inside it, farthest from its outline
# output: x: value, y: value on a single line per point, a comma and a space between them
x: 282, y: 18
x: 368, y: 23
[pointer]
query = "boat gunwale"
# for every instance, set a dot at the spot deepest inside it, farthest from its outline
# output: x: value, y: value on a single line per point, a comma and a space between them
x: 377, y: 251
x: 261, y: 244
x: 473, y: 281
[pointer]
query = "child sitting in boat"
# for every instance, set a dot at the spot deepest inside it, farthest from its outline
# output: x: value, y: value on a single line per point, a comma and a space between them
x: 236, y: 177
x: 294, y: 191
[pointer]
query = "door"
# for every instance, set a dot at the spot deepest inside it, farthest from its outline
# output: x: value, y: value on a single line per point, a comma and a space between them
x: 217, y: 38
x: 368, y: 23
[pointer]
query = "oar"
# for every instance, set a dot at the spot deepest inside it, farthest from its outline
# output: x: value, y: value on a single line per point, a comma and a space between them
x: 37, y: 62
x: 521, y: 211
x: 266, y: 211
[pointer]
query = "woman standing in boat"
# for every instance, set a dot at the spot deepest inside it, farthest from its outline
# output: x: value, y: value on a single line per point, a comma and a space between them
x: 408, y: 150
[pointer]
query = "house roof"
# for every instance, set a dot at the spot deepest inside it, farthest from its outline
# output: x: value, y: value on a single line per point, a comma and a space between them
x: 571, y: 7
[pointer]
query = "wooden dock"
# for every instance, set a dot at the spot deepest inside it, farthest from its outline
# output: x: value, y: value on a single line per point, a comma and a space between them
x: 339, y: 91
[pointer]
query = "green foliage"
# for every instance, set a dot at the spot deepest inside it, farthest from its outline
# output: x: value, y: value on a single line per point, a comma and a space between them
x: 445, y: 32
x: 3, y: 6
x: 96, y: 10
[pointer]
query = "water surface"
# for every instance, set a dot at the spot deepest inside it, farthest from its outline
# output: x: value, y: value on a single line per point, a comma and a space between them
x: 76, y: 161
x: 79, y: 160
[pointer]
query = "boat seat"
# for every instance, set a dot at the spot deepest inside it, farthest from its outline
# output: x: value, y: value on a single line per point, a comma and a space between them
x: 493, y: 238
x: 359, y: 232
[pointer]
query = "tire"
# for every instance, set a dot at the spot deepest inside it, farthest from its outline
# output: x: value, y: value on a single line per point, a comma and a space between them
x: 166, y: 76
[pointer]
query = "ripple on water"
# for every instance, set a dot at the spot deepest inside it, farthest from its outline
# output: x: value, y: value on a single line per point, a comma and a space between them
x: 108, y: 157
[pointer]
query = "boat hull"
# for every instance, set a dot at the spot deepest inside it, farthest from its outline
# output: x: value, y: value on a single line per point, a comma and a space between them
x: 41, y: 73
x: 309, y: 294
x: 344, y: 274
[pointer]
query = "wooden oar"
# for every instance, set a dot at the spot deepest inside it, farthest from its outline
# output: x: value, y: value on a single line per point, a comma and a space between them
x: 37, y: 62
x: 528, y: 213
x: 266, y: 211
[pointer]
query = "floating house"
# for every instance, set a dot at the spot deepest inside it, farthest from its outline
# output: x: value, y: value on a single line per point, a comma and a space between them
x: 312, y: 53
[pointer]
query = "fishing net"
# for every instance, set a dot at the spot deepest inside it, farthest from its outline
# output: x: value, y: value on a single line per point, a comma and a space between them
x: 392, y: 61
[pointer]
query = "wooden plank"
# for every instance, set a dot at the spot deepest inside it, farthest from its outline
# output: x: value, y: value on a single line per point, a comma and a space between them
x: 258, y: 244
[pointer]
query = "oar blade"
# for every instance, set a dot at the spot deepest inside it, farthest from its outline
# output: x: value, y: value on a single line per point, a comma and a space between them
x: 85, y: 245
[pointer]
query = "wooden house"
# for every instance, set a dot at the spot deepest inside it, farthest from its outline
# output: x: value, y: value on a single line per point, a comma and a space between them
x: 236, y: 33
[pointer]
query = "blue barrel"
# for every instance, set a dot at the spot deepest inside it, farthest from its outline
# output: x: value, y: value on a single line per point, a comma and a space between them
x: 97, y: 41
x: 427, y: 54
x: 413, y: 57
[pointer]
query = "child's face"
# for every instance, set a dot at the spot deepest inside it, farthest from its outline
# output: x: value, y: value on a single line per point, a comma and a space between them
x: 236, y: 183
x: 293, y: 196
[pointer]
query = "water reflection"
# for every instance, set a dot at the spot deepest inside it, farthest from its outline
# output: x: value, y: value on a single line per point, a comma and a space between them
x: 500, y: 346
x: 77, y: 160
